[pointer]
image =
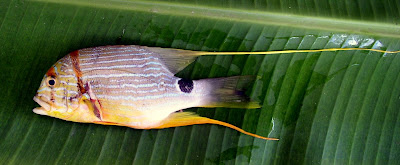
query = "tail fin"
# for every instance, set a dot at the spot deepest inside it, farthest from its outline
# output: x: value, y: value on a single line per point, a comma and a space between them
x: 226, y: 92
x: 189, y: 118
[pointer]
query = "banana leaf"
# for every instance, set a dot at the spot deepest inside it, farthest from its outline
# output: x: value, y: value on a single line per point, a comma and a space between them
x: 339, y: 107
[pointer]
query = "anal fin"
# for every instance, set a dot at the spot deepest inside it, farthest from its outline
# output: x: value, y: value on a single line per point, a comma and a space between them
x: 189, y: 118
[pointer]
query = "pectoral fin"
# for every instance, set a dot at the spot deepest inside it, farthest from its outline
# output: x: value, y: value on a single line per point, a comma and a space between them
x: 189, y: 118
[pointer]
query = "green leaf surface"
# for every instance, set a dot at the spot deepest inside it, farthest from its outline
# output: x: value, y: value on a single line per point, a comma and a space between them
x: 326, y: 108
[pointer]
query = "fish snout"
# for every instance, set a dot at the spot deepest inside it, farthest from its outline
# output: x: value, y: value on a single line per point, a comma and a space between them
x: 45, y: 107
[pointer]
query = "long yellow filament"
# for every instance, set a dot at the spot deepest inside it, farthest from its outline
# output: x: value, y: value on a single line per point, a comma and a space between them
x: 295, y: 51
x: 188, y: 118
x: 212, y: 121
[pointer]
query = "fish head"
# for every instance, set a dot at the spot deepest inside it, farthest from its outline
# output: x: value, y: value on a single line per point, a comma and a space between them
x: 58, y: 94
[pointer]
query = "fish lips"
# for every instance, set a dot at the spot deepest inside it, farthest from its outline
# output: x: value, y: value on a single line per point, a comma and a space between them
x: 44, y: 106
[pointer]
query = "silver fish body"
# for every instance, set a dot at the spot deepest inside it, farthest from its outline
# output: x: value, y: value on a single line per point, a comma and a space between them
x: 136, y: 80
x: 132, y: 84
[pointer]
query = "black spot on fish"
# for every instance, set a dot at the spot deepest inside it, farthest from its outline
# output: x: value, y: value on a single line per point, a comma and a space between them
x: 185, y: 85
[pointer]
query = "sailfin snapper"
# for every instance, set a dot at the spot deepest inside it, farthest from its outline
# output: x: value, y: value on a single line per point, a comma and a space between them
x: 135, y: 86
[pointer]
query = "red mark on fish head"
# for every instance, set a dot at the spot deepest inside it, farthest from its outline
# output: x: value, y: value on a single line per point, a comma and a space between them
x: 77, y: 69
x: 51, y: 72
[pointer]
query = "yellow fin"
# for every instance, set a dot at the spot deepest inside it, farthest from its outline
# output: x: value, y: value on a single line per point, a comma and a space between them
x: 190, y: 118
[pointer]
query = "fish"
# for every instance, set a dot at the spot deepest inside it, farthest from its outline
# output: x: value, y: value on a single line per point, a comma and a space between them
x: 135, y: 86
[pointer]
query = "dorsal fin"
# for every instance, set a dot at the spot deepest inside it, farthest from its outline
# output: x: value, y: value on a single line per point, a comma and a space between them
x: 177, y: 59
x: 295, y: 51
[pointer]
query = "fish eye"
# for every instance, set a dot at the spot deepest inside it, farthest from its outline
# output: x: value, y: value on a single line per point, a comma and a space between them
x: 51, y: 81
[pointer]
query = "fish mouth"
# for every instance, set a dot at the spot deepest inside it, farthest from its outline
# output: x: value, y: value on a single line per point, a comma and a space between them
x: 44, y: 106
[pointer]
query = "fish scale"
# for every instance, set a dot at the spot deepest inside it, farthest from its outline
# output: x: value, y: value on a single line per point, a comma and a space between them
x: 138, y: 63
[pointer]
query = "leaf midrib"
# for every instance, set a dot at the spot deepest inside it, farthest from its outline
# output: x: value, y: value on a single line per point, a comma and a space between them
x: 240, y: 15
